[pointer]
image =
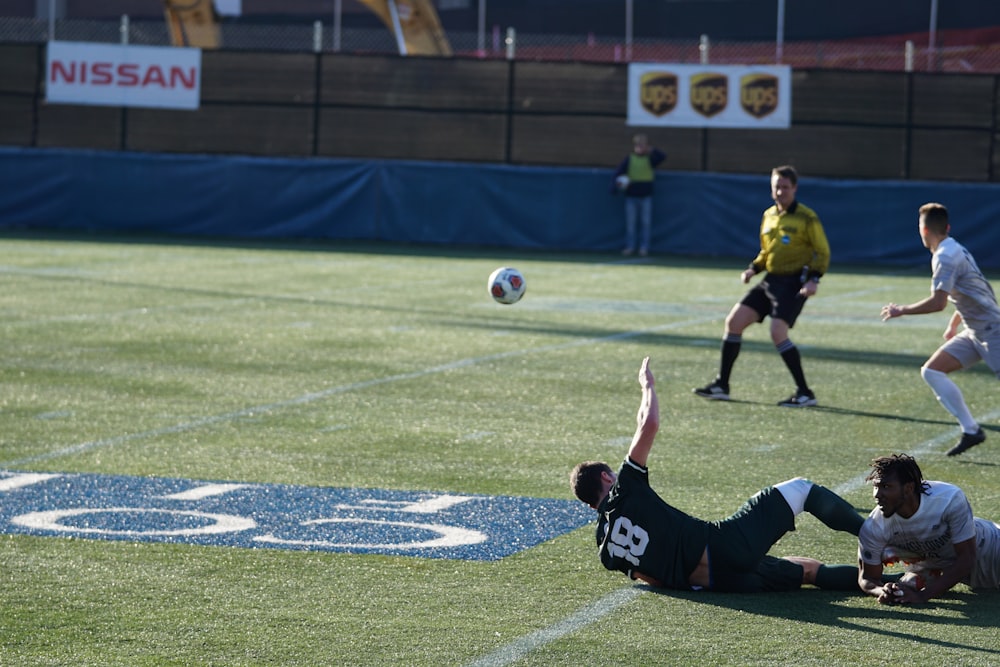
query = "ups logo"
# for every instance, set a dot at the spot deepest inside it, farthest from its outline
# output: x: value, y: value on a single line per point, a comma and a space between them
x: 709, y: 93
x: 658, y: 92
x: 759, y: 94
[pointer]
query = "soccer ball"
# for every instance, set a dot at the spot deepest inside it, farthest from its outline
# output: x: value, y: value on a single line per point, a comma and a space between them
x: 506, y: 285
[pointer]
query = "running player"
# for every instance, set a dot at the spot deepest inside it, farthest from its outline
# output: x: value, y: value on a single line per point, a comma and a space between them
x: 955, y: 277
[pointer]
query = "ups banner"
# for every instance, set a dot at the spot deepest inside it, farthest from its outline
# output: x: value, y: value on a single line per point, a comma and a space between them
x: 733, y: 96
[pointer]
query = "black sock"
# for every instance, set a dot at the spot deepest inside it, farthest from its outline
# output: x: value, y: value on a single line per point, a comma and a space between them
x: 793, y: 360
x: 833, y: 510
x: 837, y: 577
x: 730, y: 350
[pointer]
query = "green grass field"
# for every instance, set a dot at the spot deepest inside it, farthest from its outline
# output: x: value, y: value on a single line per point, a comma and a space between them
x: 389, y: 367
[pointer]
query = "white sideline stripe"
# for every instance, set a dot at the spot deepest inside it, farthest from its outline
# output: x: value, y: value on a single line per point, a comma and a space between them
x: 206, y: 491
x: 925, y: 447
x: 516, y: 650
x: 333, y: 391
x: 23, y: 479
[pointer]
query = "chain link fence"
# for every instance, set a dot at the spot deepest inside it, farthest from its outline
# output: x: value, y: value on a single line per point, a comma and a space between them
x: 957, y: 51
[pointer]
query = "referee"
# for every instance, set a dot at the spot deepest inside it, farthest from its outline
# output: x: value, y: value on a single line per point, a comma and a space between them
x: 795, y: 254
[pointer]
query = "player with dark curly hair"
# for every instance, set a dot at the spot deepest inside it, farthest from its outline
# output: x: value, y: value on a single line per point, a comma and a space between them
x: 928, y: 526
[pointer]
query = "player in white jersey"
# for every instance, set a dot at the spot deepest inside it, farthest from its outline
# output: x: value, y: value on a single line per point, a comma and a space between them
x: 929, y: 527
x: 956, y: 278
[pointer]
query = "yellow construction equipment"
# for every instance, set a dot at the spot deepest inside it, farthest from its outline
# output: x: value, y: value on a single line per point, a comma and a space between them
x: 415, y: 24
x: 193, y: 23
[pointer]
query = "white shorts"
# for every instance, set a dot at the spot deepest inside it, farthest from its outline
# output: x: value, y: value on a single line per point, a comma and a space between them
x: 986, y: 571
x: 970, y: 349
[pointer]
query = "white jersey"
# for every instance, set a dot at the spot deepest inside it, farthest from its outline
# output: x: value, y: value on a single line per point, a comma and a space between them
x: 926, y: 540
x: 986, y: 572
x: 955, y: 271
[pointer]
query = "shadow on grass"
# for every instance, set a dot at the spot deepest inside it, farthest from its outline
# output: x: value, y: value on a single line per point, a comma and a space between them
x: 971, y: 612
x: 422, y: 249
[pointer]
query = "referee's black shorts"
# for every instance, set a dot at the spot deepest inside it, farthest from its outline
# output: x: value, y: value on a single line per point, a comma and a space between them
x: 777, y: 296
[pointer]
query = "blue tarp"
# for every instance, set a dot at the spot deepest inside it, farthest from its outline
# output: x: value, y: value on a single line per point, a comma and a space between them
x: 700, y: 214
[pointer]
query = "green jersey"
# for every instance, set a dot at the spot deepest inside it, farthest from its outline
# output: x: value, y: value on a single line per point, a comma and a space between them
x: 638, y: 532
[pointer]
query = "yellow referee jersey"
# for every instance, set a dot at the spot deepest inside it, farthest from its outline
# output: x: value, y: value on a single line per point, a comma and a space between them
x: 791, y: 240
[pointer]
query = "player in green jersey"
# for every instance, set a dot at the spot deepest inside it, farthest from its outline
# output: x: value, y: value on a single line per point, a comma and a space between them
x: 646, y: 538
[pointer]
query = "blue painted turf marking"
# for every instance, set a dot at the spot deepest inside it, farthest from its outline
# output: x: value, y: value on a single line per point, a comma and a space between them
x: 282, y: 516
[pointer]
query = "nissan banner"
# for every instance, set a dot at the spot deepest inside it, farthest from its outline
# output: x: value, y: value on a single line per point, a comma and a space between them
x: 732, y: 96
x: 123, y: 76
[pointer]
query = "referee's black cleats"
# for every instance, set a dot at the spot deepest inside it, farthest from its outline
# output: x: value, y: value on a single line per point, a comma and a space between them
x: 800, y: 399
x: 968, y: 441
x: 713, y: 391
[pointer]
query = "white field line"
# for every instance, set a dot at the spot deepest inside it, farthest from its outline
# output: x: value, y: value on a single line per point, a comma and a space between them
x: 333, y: 391
x: 925, y: 447
x: 593, y: 612
x: 517, y: 649
x: 326, y: 393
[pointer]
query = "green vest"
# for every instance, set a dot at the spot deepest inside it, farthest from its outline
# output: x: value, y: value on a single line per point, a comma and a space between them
x: 640, y: 170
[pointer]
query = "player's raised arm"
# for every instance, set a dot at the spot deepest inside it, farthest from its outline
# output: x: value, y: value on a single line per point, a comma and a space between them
x: 648, y: 418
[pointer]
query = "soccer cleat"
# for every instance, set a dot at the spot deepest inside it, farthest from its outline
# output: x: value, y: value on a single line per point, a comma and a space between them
x: 968, y: 441
x: 713, y: 391
x: 800, y: 399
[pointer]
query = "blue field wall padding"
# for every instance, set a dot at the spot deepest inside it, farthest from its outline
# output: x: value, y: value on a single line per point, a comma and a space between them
x: 524, y: 207
x: 540, y: 208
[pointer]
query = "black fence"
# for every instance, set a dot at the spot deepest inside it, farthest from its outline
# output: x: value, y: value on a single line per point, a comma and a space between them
x: 845, y: 124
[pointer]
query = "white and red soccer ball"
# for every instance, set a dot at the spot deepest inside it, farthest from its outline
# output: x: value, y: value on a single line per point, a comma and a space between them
x: 506, y: 285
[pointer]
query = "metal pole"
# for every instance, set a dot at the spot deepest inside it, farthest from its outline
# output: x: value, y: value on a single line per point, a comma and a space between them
x: 629, y: 7
x: 123, y: 29
x: 337, y: 18
x: 317, y: 36
x: 510, y: 41
x: 703, y: 47
x: 779, y: 42
x: 908, y: 56
x: 932, y: 37
x: 481, y: 30
x: 397, y: 26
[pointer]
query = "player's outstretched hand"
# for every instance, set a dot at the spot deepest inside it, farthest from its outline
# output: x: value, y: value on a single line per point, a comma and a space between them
x: 889, y: 311
x: 646, y: 379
